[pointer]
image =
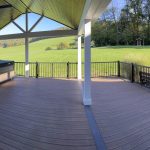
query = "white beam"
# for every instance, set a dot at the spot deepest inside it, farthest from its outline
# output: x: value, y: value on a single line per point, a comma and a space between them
x: 36, y: 23
x: 87, y: 64
x: 27, y: 67
x: 79, y: 59
x: 53, y: 34
x: 85, y: 11
x: 92, y: 10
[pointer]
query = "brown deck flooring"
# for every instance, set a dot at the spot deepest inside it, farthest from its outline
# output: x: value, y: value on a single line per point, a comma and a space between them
x: 43, y: 114
x: 122, y: 112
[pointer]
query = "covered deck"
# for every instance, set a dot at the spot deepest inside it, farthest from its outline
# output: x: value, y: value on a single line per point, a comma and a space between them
x: 47, y: 114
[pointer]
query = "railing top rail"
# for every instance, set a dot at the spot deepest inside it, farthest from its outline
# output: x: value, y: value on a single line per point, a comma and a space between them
x: 69, y: 62
x: 106, y: 62
x: 142, y: 66
x: 126, y: 63
x: 19, y: 62
x: 49, y: 62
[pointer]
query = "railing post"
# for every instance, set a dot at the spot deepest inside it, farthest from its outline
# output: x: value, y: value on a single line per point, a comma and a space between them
x: 118, y: 63
x: 15, y: 65
x: 67, y: 69
x: 37, y: 70
x: 132, y: 72
x: 52, y: 70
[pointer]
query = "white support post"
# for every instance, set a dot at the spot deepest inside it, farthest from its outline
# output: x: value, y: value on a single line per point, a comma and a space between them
x: 87, y: 64
x: 26, y: 49
x: 79, y: 59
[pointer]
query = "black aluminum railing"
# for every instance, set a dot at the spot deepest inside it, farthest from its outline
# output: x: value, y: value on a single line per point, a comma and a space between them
x: 126, y: 70
x: 130, y: 71
x: 66, y: 70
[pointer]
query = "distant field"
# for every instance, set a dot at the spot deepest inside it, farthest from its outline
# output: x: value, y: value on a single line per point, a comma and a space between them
x: 139, y: 55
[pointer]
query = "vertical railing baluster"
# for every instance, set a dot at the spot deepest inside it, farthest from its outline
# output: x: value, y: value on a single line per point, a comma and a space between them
x: 67, y: 69
x: 132, y: 72
x: 37, y: 70
x: 118, y: 68
x: 52, y: 69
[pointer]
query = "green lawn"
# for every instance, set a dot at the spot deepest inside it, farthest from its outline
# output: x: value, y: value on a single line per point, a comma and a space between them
x: 38, y: 53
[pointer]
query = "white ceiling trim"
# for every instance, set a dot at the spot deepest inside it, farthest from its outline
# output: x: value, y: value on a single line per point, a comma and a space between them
x: 92, y: 10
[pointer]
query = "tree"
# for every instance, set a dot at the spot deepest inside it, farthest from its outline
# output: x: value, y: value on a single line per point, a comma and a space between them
x: 147, y: 19
x: 123, y: 27
x: 5, y: 45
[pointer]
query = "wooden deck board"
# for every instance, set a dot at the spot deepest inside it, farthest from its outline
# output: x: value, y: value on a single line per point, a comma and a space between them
x: 122, y: 112
x: 48, y: 114
x: 43, y: 114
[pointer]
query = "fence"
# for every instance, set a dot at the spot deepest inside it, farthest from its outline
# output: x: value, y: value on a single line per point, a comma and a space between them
x: 66, y: 70
x: 138, y: 69
x: 133, y: 73
x: 104, y: 69
x: 125, y: 70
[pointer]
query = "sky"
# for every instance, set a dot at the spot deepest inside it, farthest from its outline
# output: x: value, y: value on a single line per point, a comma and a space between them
x: 45, y: 24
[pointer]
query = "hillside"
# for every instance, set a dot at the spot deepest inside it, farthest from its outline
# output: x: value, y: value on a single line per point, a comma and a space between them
x: 37, y: 52
x: 11, y: 43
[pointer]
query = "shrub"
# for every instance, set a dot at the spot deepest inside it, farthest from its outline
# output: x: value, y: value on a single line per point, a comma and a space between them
x: 5, y: 45
x: 62, y: 45
x: 72, y: 45
x: 48, y: 48
x: 92, y: 44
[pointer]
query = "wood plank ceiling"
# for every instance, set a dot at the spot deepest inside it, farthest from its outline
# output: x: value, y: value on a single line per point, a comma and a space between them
x: 67, y: 12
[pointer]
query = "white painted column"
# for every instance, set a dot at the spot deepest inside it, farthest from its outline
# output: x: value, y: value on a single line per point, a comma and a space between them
x: 26, y: 49
x: 26, y: 57
x: 79, y: 59
x: 87, y: 64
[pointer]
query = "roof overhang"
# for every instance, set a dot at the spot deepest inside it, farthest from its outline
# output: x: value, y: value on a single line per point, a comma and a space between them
x: 67, y: 12
x: 71, y: 13
x: 92, y: 11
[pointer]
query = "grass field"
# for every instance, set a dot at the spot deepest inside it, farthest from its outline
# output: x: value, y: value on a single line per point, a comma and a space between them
x: 140, y: 55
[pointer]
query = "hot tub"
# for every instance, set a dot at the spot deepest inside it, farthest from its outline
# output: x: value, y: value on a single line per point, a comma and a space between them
x: 6, y: 70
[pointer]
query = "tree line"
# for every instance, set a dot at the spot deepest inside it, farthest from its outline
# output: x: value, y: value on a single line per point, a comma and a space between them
x: 131, y: 26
